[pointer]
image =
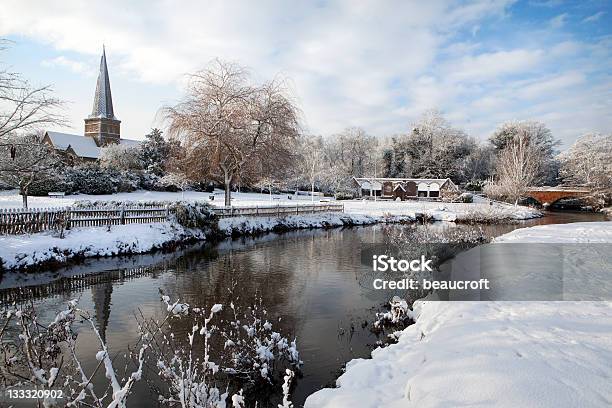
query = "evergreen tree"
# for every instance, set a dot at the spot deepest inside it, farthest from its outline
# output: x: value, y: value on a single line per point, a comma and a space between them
x: 154, y: 152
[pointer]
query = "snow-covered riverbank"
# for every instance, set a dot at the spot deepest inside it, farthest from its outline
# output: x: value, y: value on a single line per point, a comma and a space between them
x: 501, y: 354
x: 26, y: 251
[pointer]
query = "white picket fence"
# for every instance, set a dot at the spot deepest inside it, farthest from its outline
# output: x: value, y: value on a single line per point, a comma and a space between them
x: 31, y: 220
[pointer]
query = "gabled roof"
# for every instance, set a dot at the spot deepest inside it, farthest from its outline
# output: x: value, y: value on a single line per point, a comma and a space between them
x: 83, y: 146
x: 367, y: 180
x: 103, y: 100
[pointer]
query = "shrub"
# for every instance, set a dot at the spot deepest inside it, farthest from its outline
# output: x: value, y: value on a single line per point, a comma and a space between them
x: 58, y: 183
x: 344, y: 195
x: 475, y: 185
x: 193, y: 215
x: 121, y: 157
x: 466, y: 198
x: 90, y: 179
x: 95, y: 180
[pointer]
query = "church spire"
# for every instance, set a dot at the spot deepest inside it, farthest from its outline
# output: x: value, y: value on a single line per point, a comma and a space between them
x: 102, y: 125
x: 103, y: 100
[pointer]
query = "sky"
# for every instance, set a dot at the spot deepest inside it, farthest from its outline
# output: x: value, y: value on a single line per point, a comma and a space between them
x: 374, y: 64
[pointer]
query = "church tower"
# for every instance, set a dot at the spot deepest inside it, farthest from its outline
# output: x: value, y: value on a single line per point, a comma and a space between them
x: 102, y: 125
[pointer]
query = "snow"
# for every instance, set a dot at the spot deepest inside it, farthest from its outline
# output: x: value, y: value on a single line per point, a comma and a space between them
x: 579, y: 232
x: 487, y: 354
x: 481, y: 209
x: 440, y: 211
x: 11, y: 198
x: 502, y: 354
x: 83, y: 146
x: 252, y: 225
x: 19, y: 251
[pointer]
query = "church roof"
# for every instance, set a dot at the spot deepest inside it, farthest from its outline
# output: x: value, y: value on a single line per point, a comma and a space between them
x: 83, y: 146
x: 103, y: 100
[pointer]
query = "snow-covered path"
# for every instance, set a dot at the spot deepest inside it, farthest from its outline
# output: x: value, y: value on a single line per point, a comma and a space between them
x: 492, y: 354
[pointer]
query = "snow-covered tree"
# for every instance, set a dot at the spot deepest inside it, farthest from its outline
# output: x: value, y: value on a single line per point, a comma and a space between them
x: 589, y: 161
x: 312, y: 160
x: 25, y: 162
x: 433, y: 149
x: 154, y: 152
x: 537, y: 135
x: 121, y: 157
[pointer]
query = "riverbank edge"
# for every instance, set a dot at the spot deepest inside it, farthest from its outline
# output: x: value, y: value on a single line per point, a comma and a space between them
x: 44, y: 251
x: 444, y: 335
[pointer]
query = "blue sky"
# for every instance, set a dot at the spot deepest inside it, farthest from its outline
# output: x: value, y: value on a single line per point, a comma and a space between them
x: 375, y: 64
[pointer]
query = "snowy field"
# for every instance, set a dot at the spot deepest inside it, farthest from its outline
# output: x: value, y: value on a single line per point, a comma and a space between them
x: 502, y: 354
x: 10, y: 199
x: 441, y: 211
x: 380, y: 208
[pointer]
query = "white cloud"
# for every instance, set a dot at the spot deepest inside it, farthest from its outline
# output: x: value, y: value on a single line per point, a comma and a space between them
x: 78, y: 67
x: 558, y: 21
x: 594, y: 17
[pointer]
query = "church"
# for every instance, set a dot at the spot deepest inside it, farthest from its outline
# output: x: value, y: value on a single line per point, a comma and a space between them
x: 101, y: 127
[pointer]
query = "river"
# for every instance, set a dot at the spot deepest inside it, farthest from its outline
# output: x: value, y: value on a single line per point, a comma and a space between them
x: 309, y: 279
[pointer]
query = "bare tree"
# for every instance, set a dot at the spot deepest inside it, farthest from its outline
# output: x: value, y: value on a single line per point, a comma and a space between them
x: 540, y: 137
x: 312, y: 157
x: 230, y: 128
x: 23, y: 106
x: 25, y: 161
x: 517, y: 168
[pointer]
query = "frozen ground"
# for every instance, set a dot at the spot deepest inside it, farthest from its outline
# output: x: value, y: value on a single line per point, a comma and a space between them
x: 479, y: 210
x: 501, y: 354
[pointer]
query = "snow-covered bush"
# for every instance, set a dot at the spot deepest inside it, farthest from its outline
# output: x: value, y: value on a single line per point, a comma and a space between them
x: 344, y: 195
x: 56, y: 183
x: 93, y: 179
x: 43, y: 356
x: 120, y: 157
x: 465, y: 198
x: 152, y: 182
x: 225, y: 352
x: 255, y: 349
x: 193, y: 372
x: 398, y: 315
x: 475, y: 185
x: 193, y: 215
x: 90, y: 179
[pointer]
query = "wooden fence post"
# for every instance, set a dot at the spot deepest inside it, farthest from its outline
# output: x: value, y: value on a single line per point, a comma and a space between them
x: 122, y: 215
